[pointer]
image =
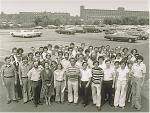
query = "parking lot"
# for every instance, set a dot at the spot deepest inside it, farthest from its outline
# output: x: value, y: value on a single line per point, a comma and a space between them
x: 7, y: 42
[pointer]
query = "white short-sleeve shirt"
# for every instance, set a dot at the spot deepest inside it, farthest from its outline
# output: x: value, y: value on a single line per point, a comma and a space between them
x: 86, y: 74
x: 138, y: 70
x: 108, y: 73
x: 122, y: 74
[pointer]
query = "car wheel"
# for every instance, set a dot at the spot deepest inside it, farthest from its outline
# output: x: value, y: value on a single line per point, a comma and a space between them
x: 13, y: 35
x: 129, y: 40
x: 112, y: 39
x: 143, y: 38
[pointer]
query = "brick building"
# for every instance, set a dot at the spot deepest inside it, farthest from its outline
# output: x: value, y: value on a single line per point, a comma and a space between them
x: 91, y: 15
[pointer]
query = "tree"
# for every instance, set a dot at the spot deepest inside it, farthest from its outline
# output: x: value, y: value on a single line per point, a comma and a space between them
x: 96, y: 22
x: 37, y: 20
x: 57, y: 22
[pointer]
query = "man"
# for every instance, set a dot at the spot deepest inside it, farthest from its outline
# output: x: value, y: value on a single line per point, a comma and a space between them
x: 14, y: 53
x: 86, y: 75
x: 9, y: 79
x: 18, y: 88
x: 108, y: 83
x: 121, y: 85
x: 65, y: 61
x: 73, y: 74
x: 139, y: 72
x: 24, y: 68
x: 97, y: 78
x: 80, y: 60
x: 34, y: 76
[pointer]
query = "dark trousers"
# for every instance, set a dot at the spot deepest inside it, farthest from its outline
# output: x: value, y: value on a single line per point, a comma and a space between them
x: 107, y: 92
x: 36, y: 91
x: 40, y: 87
x: 85, y: 92
x: 18, y: 89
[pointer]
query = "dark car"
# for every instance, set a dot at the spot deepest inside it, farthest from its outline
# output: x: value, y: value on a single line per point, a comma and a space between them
x: 122, y: 36
x: 141, y: 35
x: 65, y: 31
x: 108, y: 31
x: 92, y: 29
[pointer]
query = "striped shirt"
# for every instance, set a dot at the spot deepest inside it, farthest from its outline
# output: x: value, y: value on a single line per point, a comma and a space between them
x: 97, y: 75
x: 73, y: 73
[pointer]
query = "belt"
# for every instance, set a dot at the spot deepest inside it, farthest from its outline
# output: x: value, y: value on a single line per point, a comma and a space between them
x: 24, y: 77
x: 60, y: 80
x: 9, y: 76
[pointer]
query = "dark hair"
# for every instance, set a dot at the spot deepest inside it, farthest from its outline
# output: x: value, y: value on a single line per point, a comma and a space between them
x: 20, y: 49
x: 48, y: 55
x: 37, y: 52
x: 45, y: 47
x: 125, y: 49
x: 81, y: 54
x: 60, y: 65
x: 130, y: 62
x: 95, y: 62
x: 122, y: 62
x: 7, y: 58
x: 84, y: 63
x: 134, y: 50
x: 49, y: 45
x: 14, y: 49
x: 30, y: 54
x: 113, y: 56
x: 66, y: 53
x: 70, y: 48
x: 118, y: 54
x: 87, y: 51
x: 117, y: 62
x: 41, y: 47
x: 80, y: 49
x: 91, y: 46
x: 82, y: 43
x: 108, y: 60
x: 72, y: 43
x: 60, y: 52
x: 140, y: 57
x: 56, y: 47
x: 72, y: 58
x: 102, y: 57
x: 24, y: 57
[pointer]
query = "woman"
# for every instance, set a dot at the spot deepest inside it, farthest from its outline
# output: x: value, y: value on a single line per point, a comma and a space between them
x: 59, y: 83
x: 47, y: 82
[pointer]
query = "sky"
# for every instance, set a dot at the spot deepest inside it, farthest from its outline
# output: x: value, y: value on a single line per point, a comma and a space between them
x: 70, y: 6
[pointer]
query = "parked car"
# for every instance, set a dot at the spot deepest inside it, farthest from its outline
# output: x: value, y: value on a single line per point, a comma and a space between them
x: 36, y: 33
x: 38, y: 27
x: 143, y: 36
x: 77, y: 29
x: 26, y: 33
x: 52, y: 27
x: 122, y: 36
x: 65, y: 31
x: 108, y: 31
x: 91, y: 29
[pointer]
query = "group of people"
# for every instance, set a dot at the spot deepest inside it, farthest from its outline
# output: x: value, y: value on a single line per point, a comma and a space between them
x: 75, y: 74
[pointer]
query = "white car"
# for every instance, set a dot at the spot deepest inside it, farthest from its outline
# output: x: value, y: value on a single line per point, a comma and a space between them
x: 26, y: 33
